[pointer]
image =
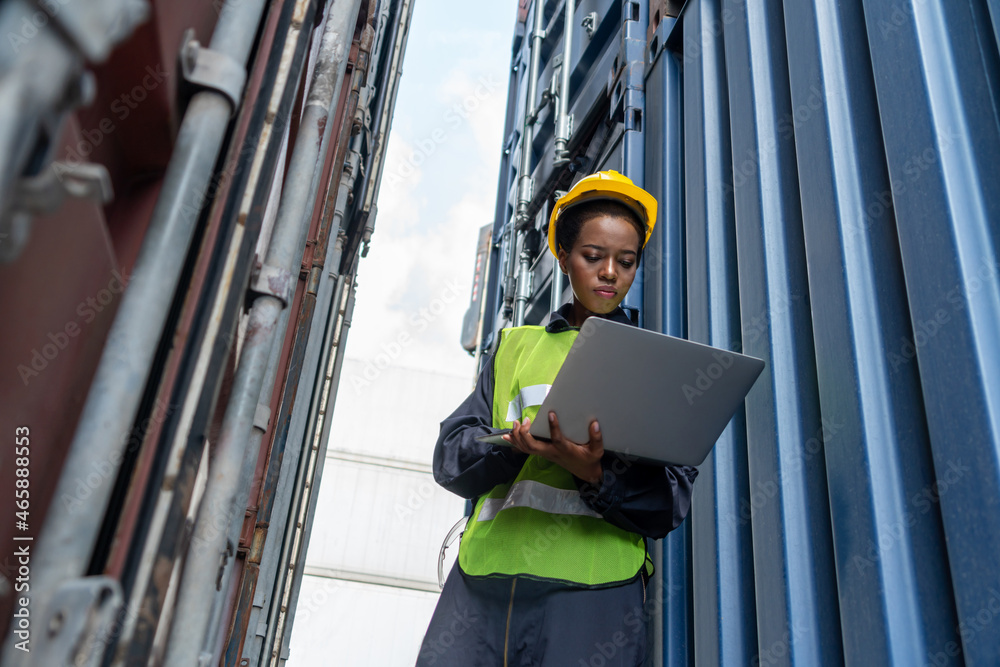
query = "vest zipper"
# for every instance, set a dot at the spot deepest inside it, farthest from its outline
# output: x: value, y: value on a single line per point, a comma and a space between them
x: 510, y: 609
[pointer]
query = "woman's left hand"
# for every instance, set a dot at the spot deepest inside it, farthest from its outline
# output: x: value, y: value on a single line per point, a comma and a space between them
x: 584, y: 461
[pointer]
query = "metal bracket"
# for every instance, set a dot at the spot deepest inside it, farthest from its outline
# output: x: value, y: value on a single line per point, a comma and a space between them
x: 273, y: 281
x: 42, y: 84
x: 46, y: 192
x: 79, y: 623
x: 261, y: 417
x: 589, y: 23
x: 204, y: 69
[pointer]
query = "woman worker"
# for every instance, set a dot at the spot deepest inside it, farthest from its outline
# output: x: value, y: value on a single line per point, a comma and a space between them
x: 552, y: 567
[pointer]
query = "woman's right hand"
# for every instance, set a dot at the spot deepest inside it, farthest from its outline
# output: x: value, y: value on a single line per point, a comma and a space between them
x: 582, y: 460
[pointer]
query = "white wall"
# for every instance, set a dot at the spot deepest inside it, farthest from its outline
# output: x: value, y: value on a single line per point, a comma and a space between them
x: 371, y: 568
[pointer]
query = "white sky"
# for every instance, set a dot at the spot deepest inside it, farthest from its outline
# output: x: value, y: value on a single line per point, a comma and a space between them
x: 438, y: 187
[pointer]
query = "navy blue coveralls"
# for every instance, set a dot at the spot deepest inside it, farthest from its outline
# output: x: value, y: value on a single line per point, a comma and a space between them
x: 503, y: 621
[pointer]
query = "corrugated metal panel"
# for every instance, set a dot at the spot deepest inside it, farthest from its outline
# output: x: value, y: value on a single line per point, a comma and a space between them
x: 935, y: 70
x: 827, y: 173
x: 891, y: 609
x: 792, y: 546
x: 725, y: 613
x: 836, y: 194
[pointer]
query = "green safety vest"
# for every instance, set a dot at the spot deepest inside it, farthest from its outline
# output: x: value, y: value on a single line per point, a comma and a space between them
x: 538, y: 525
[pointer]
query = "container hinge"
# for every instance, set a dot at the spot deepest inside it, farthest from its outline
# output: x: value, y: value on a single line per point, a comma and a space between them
x: 273, y: 281
x: 589, y: 23
x: 204, y: 69
x: 79, y: 622
x: 315, y: 275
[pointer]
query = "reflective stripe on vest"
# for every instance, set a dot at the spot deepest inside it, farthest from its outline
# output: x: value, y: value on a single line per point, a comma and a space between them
x: 538, y: 496
x: 529, y: 397
x: 537, y: 525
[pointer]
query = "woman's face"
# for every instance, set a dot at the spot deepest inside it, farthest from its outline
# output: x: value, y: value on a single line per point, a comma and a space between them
x: 601, y: 265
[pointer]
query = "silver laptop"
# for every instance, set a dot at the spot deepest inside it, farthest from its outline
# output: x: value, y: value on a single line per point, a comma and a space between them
x: 657, y: 398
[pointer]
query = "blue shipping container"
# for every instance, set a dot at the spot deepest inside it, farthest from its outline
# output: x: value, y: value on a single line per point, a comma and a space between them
x: 828, y: 175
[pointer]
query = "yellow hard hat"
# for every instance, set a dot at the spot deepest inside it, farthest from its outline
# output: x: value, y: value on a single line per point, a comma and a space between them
x: 606, y: 185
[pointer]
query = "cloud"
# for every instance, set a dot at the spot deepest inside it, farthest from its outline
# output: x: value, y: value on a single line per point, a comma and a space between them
x: 479, y: 103
x: 438, y: 189
x: 414, y: 286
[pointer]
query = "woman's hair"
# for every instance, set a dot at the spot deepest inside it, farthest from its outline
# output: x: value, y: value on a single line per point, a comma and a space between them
x: 570, y: 222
